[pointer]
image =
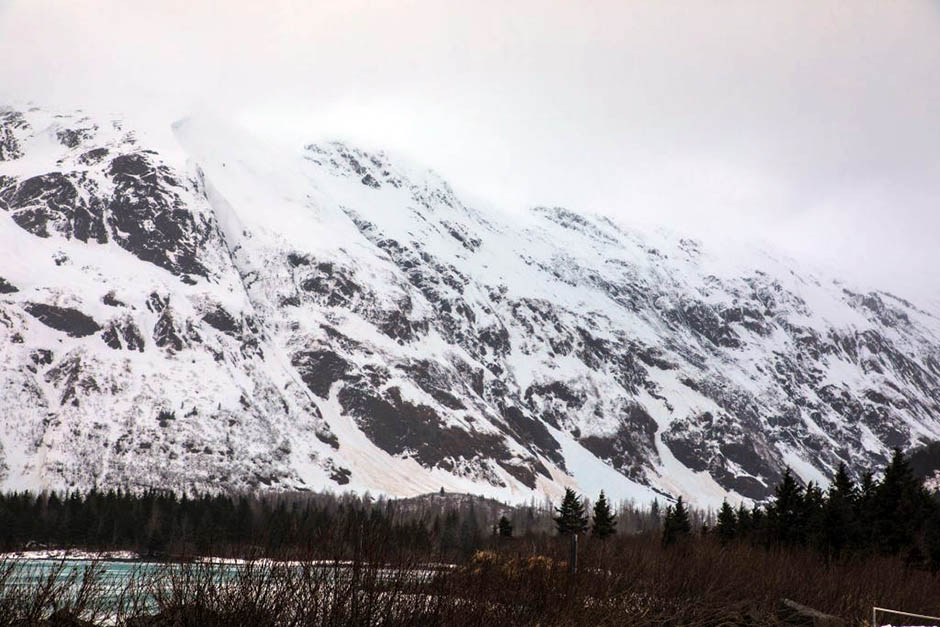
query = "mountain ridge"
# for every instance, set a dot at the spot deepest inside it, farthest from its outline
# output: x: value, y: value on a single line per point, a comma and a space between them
x: 350, y: 322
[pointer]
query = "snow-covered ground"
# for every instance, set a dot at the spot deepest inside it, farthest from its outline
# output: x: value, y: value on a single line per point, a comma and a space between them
x: 214, y: 313
x: 71, y: 555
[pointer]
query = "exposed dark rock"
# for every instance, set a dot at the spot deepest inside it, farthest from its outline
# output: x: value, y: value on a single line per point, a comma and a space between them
x: 632, y: 449
x: 72, y: 378
x: 41, y: 357
x: 434, y: 380
x: 222, y: 320
x: 575, y: 222
x: 460, y: 234
x: 157, y: 303
x: 497, y: 339
x: 340, y: 475
x: 165, y: 417
x: 556, y: 389
x: 523, y: 474
x: 123, y: 334
x: 400, y: 427
x: 93, y: 156
x: 10, y: 121
x: 167, y: 334
x: 875, y: 308
x: 332, y: 285
x: 705, y: 322
x: 110, y: 300
x: 50, y: 203
x: 296, y: 259
x: 328, y: 437
x: 397, y: 325
x: 320, y: 369
x: 707, y: 443
x: 71, y: 138
x: 65, y: 319
x: 149, y: 219
x: 6, y: 287
x: 533, y: 433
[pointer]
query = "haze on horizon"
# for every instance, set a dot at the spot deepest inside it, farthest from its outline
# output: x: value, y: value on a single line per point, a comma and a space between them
x: 813, y: 125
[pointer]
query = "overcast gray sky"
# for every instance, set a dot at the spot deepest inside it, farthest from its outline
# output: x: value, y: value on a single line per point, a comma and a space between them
x: 815, y: 124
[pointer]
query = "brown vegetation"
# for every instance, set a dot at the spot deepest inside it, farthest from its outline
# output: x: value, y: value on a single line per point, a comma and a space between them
x: 626, y: 580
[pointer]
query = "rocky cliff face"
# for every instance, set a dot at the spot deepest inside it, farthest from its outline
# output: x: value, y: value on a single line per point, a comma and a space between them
x: 191, y: 309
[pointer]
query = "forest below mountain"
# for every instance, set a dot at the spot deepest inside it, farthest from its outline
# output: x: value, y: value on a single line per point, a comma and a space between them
x: 891, y: 515
x: 841, y: 550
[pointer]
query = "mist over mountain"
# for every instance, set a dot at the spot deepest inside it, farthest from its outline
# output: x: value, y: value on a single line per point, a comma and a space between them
x: 186, y: 307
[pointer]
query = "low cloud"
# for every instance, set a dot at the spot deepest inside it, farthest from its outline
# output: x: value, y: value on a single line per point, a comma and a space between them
x: 812, y: 125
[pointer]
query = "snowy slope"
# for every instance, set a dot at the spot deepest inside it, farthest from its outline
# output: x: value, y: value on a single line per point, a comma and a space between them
x: 187, y: 307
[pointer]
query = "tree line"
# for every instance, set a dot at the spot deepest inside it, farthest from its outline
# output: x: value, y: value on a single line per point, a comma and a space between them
x: 891, y: 516
x: 157, y: 523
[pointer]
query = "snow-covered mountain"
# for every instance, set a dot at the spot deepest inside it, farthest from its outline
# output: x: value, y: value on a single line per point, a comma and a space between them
x: 185, y: 307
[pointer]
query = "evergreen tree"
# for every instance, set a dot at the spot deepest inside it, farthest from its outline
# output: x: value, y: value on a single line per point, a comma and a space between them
x: 727, y: 523
x: 842, y: 485
x: 605, y: 522
x: 571, y: 517
x: 786, y: 515
x: 504, y: 527
x: 676, y: 525
x: 744, y: 522
x: 839, y: 520
x: 813, y: 512
x: 900, y: 507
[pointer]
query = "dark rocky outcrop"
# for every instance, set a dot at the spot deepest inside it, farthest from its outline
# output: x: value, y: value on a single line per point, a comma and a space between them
x: 10, y: 121
x: 123, y: 334
x: 222, y: 320
x: 65, y: 319
x: 50, y: 203
x: 71, y: 376
x: 168, y: 332
x: 398, y: 426
x: 320, y: 369
x: 632, y: 449
x: 148, y: 217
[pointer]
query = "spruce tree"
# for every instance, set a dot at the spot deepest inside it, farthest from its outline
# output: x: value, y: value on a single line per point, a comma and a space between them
x: 900, y: 506
x: 840, y: 520
x: 813, y: 512
x: 785, y: 516
x: 842, y: 485
x: 727, y: 523
x: 605, y: 522
x: 676, y: 525
x: 571, y: 518
x: 744, y: 521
